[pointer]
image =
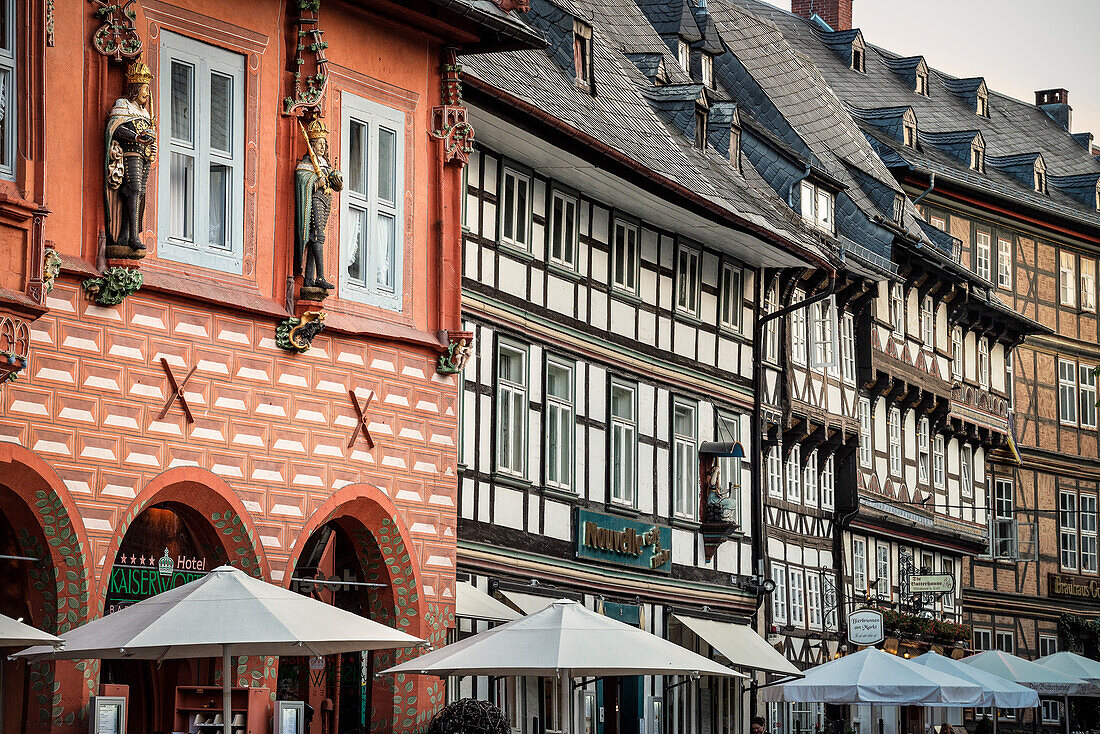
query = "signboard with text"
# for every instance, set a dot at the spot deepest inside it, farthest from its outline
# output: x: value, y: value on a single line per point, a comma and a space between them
x: 865, y: 627
x: 937, y: 583
x: 137, y: 577
x: 624, y: 541
x: 1080, y: 588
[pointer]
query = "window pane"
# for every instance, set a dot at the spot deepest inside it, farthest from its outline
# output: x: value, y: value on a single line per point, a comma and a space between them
x: 183, y: 93
x: 7, y: 100
x: 508, y: 202
x: 221, y: 112
x: 387, y: 238
x: 559, y: 382
x: 357, y: 158
x: 182, y: 215
x: 219, y: 205
x: 622, y: 402
x: 357, y: 256
x: 510, y: 366
x: 521, y: 211
x: 387, y: 162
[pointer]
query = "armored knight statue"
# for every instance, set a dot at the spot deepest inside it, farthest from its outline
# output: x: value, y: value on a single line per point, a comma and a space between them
x: 315, y: 181
x: 131, y: 152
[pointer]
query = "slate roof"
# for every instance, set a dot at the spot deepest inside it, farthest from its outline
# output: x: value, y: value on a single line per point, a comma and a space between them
x: 1012, y: 128
x: 505, y: 29
x: 620, y: 113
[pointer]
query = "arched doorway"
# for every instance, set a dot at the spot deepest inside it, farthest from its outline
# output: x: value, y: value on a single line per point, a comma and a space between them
x: 356, y: 553
x: 44, y: 580
x: 185, y: 523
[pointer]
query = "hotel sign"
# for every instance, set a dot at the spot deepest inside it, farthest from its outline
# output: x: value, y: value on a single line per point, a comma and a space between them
x: 1073, y: 587
x: 623, y: 541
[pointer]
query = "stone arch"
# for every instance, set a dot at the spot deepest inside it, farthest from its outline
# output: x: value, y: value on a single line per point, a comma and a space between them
x: 46, y: 525
x: 201, y: 495
x: 388, y: 555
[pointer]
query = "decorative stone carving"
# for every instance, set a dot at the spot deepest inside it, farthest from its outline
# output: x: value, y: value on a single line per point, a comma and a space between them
x: 131, y: 143
x: 309, y: 90
x: 51, y: 268
x: 117, y: 38
x: 460, y: 348
x: 14, y: 347
x: 49, y: 23
x: 314, y: 182
x: 113, y: 286
x: 449, y: 123
x: 296, y: 334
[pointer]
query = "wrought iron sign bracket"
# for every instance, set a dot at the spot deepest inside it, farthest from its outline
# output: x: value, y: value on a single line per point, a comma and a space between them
x: 361, y: 424
x: 176, y: 392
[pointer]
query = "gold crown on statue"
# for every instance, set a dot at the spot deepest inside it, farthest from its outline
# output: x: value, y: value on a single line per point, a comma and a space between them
x: 139, y: 73
x: 316, y: 129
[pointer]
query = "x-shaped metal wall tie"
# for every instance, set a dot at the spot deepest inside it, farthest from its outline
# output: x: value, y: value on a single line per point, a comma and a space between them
x: 362, y: 425
x: 176, y: 392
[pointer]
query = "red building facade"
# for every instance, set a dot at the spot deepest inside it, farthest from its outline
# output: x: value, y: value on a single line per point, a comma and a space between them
x: 200, y: 418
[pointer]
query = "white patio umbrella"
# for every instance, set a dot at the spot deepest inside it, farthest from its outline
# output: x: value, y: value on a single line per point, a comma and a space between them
x: 565, y: 640
x: 874, y: 677
x: 1075, y: 665
x: 996, y: 691
x: 225, y: 613
x: 1045, y: 681
x: 15, y: 634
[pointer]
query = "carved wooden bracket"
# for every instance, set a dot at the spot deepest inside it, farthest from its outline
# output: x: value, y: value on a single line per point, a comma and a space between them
x: 176, y: 392
x: 362, y: 425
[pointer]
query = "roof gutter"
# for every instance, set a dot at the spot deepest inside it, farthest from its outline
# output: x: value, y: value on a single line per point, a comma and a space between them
x: 926, y: 192
x: 518, y: 32
x: 622, y: 159
x: 790, y: 187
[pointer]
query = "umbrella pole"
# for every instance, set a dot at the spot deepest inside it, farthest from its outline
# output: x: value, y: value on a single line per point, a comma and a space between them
x: 1066, y: 699
x: 227, y: 690
x: 2, y: 656
x: 566, y: 682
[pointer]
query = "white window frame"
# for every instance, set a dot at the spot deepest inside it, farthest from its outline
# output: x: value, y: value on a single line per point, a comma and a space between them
x: 685, y: 464
x: 809, y: 480
x: 848, y: 349
x: 1004, y: 262
x: 1067, y: 392
x: 796, y: 597
x: 866, y: 450
x: 828, y: 484
x: 564, y: 238
x: 983, y: 254
x: 204, y: 60
x: 983, y: 363
x: 1005, y: 639
x: 1087, y: 390
x: 966, y: 471
x: 368, y: 289
x: 938, y: 222
x: 627, y: 279
x: 560, y: 410
x: 1068, y: 547
x: 1088, y: 285
x: 928, y: 323
x: 824, y: 336
x: 1067, y: 278
x: 521, y: 211
x: 939, y: 451
x: 774, y: 468
x: 794, y: 474
x: 797, y: 323
x: 683, y: 55
x: 957, y: 353
x: 882, y: 569
x: 813, y: 599
x: 708, y: 70
x: 947, y: 566
x: 983, y: 639
x: 897, y: 310
x: 1086, y: 523
x: 771, y: 329
x: 512, y: 396
x: 10, y: 61
x: 1002, y: 537
x: 817, y: 206
x: 623, y: 434
x: 688, y: 278
x: 893, y: 430
x: 924, y: 450
x: 733, y: 298
x: 859, y: 565
x: 779, y: 595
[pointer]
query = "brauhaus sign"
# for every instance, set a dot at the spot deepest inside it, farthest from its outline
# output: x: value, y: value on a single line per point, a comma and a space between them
x: 622, y: 541
x: 1073, y: 587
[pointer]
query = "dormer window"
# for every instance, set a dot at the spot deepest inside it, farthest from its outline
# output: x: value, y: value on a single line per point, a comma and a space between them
x: 700, y: 128
x: 660, y: 79
x: 922, y: 82
x: 582, y: 54
x: 1098, y: 196
x: 1040, y: 176
x: 817, y: 206
x: 735, y: 149
x: 899, y: 207
x: 708, y: 70
x: 977, y: 158
x: 859, y: 55
x: 683, y: 55
x: 909, y: 129
x: 982, y: 102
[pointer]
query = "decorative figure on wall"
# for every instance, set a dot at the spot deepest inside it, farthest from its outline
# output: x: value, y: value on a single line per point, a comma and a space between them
x: 117, y: 38
x: 296, y: 334
x: 308, y: 99
x: 449, y: 123
x: 51, y: 268
x: 114, y: 285
x: 459, y: 350
x: 14, y: 347
x: 131, y: 151
x: 315, y: 181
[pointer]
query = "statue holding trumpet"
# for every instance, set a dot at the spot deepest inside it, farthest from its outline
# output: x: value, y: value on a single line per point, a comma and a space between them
x: 315, y: 181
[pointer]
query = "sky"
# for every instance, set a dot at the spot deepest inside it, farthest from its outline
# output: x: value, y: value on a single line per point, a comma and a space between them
x: 1019, y: 46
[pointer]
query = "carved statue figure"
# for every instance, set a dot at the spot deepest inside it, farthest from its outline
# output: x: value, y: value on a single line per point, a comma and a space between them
x: 315, y: 180
x: 131, y: 151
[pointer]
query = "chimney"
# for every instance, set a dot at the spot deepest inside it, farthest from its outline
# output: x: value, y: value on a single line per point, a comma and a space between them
x: 1055, y: 102
x: 837, y: 13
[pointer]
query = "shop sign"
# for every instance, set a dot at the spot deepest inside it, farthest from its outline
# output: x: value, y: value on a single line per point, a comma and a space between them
x: 865, y: 627
x: 936, y: 583
x: 622, y: 541
x: 1073, y: 587
x: 138, y: 577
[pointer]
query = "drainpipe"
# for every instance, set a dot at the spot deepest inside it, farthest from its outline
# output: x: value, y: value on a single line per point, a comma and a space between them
x: 759, y: 543
x: 926, y: 192
x: 790, y: 188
